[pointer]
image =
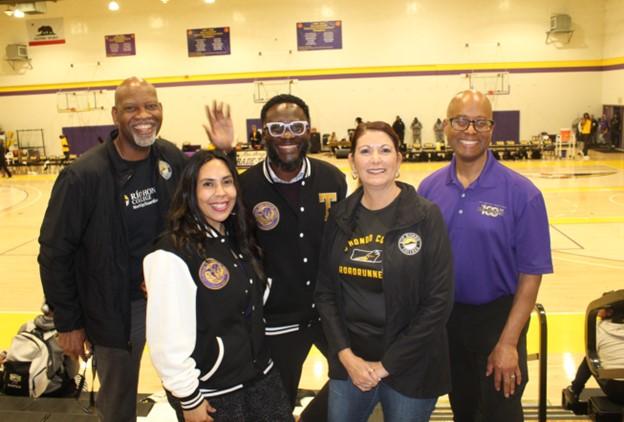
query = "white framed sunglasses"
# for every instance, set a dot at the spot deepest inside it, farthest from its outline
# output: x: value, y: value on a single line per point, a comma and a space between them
x: 278, y: 129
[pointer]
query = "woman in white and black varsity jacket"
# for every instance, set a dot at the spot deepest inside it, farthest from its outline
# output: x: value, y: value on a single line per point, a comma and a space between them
x: 205, y: 286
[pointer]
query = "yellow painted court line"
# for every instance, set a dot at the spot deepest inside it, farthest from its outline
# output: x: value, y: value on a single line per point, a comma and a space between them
x: 584, y: 189
x: 586, y: 220
x: 544, y: 164
x: 468, y: 67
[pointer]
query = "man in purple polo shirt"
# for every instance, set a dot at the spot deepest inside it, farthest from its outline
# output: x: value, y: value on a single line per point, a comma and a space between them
x: 501, y: 245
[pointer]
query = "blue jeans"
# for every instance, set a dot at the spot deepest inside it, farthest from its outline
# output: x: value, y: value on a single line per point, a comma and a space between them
x: 349, y: 403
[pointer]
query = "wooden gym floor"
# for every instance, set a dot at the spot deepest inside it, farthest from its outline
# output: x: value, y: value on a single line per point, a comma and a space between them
x: 585, y: 201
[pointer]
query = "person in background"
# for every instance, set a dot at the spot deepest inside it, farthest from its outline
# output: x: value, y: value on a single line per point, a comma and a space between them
x: 205, y: 328
x: 3, y: 162
x: 438, y: 131
x: 416, y: 127
x: 616, y: 130
x: 255, y: 138
x: 399, y: 128
x: 64, y: 148
x: 105, y: 210
x: 500, y: 239
x: 384, y: 290
x: 594, y: 129
x: 584, y: 129
x: 603, y: 129
x: 290, y: 195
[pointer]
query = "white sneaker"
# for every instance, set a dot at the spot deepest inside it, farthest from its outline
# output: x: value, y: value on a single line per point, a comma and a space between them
x: 586, y: 157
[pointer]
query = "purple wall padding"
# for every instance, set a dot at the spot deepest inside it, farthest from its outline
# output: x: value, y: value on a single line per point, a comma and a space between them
x: 83, y: 138
x: 507, y: 126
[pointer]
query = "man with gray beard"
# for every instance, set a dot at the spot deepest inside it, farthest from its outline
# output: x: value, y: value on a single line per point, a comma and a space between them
x: 105, y: 210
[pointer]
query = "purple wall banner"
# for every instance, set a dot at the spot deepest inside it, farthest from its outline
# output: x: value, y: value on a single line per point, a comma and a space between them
x: 120, y: 45
x: 208, y: 41
x: 507, y: 126
x: 323, y: 35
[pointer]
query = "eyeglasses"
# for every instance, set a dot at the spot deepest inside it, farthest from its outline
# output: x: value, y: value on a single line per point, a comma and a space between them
x: 463, y: 123
x: 278, y: 129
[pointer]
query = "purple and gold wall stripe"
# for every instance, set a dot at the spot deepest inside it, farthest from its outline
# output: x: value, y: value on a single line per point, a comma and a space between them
x: 598, y: 65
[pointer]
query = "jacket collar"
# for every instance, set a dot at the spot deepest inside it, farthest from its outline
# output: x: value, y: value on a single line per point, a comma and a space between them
x: 269, y: 174
x: 486, y: 179
x: 410, y: 208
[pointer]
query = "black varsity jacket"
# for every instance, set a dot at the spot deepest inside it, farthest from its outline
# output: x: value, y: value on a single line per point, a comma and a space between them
x: 204, y: 326
x: 291, y: 238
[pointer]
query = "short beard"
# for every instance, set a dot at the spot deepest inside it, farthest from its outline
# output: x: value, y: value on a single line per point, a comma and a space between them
x: 291, y: 166
x: 143, y: 142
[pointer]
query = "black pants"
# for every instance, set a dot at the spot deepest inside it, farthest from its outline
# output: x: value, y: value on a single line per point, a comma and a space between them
x: 614, y: 389
x: 289, y: 351
x: 4, y: 166
x: 473, y: 332
x: 263, y: 400
x: 585, y: 139
x: 118, y: 371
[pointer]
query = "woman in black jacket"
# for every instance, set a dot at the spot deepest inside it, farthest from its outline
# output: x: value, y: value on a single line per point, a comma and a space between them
x: 205, y: 327
x: 385, y: 290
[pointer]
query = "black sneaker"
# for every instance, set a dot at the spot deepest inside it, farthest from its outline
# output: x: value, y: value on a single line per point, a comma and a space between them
x: 570, y: 401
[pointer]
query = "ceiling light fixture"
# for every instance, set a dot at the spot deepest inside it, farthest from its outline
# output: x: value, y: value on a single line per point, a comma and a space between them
x: 17, y: 13
x: 209, y: 1
x: 113, y: 6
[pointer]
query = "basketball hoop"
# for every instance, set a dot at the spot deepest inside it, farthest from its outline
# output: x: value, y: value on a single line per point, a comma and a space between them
x: 490, y: 92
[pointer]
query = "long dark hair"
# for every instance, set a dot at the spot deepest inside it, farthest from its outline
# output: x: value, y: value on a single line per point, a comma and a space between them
x: 187, y: 225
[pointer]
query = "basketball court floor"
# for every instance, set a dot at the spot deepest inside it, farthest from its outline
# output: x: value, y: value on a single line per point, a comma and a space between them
x: 585, y: 202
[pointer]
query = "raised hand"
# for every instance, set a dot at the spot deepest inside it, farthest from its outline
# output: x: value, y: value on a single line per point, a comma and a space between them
x: 219, y: 129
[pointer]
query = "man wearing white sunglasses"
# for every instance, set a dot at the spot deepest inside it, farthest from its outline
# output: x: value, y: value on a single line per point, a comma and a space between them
x: 290, y: 195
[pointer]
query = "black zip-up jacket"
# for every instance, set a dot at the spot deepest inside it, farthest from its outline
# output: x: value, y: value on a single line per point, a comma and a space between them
x: 84, y: 256
x: 418, y: 290
x: 291, y: 238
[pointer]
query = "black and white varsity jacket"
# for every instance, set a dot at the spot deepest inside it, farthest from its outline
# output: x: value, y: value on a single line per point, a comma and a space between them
x: 205, y: 328
x: 291, y: 238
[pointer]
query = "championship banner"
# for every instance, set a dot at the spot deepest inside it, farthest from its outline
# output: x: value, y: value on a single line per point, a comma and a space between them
x: 319, y: 35
x: 120, y: 45
x: 45, y: 31
x: 208, y: 41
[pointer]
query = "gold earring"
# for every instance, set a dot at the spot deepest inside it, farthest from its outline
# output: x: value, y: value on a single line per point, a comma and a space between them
x: 354, y: 175
x: 397, y: 175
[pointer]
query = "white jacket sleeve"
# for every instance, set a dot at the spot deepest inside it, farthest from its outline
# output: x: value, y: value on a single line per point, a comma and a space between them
x: 171, y: 322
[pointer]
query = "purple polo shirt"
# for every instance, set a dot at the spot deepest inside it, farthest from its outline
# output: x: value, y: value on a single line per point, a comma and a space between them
x: 498, y: 228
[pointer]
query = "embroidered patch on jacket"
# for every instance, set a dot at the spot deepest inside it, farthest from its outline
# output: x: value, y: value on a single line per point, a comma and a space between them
x: 491, y: 210
x: 267, y: 215
x: 410, y: 243
x: 164, y: 169
x: 213, y: 274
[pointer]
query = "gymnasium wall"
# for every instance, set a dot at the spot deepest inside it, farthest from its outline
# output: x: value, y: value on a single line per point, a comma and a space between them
x: 398, y: 57
x: 613, y: 80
